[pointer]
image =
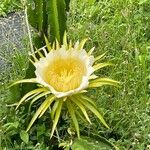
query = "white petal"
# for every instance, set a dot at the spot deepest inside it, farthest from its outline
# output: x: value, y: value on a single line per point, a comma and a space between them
x: 63, y: 53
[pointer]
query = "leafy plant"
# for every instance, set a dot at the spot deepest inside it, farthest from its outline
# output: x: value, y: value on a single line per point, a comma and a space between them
x: 86, y: 143
x: 122, y: 29
x: 58, y: 97
x: 7, y: 6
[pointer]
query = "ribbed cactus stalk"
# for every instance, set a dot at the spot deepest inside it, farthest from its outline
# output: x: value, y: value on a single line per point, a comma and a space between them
x: 48, y: 17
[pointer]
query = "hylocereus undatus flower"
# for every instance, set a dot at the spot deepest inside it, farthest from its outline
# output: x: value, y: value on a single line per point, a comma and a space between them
x: 63, y: 76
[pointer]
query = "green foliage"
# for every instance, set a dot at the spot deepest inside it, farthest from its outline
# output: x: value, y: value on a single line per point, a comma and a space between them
x: 74, y: 103
x: 6, y: 131
x: 122, y: 29
x: 24, y: 136
x: 86, y: 143
x: 48, y: 17
x: 7, y: 6
x: 13, y: 66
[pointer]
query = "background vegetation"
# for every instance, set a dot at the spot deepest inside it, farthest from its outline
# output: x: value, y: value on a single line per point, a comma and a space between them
x: 122, y: 28
x: 7, y: 6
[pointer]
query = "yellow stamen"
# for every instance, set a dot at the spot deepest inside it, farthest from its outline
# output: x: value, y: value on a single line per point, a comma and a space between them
x: 65, y: 74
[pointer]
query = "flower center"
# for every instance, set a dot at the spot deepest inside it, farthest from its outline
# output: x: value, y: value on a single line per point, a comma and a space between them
x: 65, y: 74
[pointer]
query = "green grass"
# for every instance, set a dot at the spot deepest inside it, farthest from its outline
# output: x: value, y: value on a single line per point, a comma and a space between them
x: 122, y: 28
x: 7, y: 6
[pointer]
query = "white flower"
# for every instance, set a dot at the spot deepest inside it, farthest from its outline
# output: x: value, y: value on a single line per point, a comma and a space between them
x: 65, y: 72
x: 62, y: 75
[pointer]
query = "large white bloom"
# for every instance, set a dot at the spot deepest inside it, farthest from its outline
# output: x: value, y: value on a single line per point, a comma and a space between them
x: 65, y: 72
x: 62, y: 73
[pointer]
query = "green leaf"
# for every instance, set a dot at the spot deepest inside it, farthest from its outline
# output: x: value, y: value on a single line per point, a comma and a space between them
x: 29, y: 94
x: 48, y: 101
x: 38, y: 97
x: 103, y: 81
x: 81, y: 45
x: 24, y: 81
x: 56, y: 118
x: 79, y: 104
x: 65, y: 40
x: 57, y: 19
x: 142, y: 2
x: 78, y: 113
x: 86, y: 143
x: 47, y: 106
x: 48, y: 44
x: 35, y: 16
x: 100, y: 57
x: 32, y: 16
x: 101, y: 65
x: 39, y: 52
x: 94, y: 110
x: 15, y: 93
x: 24, y: 136
x: 85, y: 98
x: 73, y: 116
x: 54, y: 108
x: 91, y: 51
x: 29, y: 75
x: 10, y: 126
